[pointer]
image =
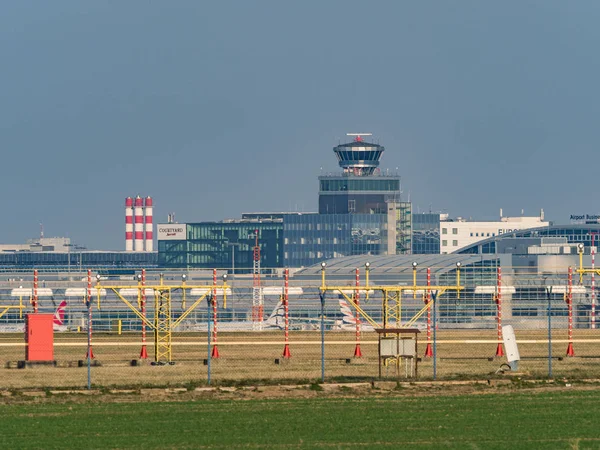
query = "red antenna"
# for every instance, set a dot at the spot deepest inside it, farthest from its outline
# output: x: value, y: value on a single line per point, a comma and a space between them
x: 359, y: 136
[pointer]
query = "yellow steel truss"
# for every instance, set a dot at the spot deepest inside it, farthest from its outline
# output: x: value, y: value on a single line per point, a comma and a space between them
x: 163, y: 323
x: 391, y: 307
x: 582, y: 270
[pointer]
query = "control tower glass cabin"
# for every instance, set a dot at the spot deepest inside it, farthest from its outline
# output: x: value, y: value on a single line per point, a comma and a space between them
x: 360, y: 188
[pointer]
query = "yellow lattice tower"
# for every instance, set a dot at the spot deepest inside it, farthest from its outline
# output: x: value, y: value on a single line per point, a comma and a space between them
x: 391, y: 307
x: 163, y: 323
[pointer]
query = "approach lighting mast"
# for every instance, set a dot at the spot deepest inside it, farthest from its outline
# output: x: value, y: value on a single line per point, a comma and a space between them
x: 257, y: 296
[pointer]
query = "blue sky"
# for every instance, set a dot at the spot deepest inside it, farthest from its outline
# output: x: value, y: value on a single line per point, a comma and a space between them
x: 219, y: 108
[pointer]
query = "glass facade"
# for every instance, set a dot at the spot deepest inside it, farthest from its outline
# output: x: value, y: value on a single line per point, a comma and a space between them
x: 350, y: 194
x: 224, y: 245
x: 404, y: 228
x: 574, y: 234
x: 73, y: 260
x: 426, y: 233
x: 344, y: 184
x: 311, y: 238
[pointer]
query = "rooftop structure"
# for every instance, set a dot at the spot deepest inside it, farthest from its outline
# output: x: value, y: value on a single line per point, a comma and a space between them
x: 456, y: 234
x: 359, y: 157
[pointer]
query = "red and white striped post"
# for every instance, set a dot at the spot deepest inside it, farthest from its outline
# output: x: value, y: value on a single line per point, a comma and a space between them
x: 427, y: 298
x: 215, y: 349
x: 144, y: 351
x: 286, y: 349
x: 569, y: 300
x: 357, y: 352
x: 90, y: 351
x: 499, y: 348
x: 34, y: 298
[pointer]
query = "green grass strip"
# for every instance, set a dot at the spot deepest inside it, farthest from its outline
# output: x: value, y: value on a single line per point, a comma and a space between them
x: 544, y: 420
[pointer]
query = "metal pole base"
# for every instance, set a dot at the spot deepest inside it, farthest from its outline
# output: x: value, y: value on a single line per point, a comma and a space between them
x: 570, y: 351
x: 429, y: 351
x: 499, y: 350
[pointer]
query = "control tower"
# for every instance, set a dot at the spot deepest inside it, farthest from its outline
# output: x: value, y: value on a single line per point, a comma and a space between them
x: 359, y: 157
x: 360, y: 188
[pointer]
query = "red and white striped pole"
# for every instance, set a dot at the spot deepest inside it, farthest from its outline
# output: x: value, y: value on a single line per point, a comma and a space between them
x: 34, y: 298
x: 569, y: 299
x: 90, y: 352
x: 499, y: 348
x: 149, y: 236
x: 215, y: 349
x: 357, y: 352
x: 593, y: 252
x: 144, y: 352
x: 429, y: 349
x: 286, y: 349
x: 128, y: 224
x: 139, y: 224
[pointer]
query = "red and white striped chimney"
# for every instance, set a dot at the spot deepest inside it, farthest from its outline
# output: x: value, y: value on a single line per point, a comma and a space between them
x: 139, y: 224
x: 149, y: 226
x: 128, y: 224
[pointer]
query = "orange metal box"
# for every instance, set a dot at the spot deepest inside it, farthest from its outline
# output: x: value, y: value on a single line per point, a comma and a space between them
x: 39, y: 335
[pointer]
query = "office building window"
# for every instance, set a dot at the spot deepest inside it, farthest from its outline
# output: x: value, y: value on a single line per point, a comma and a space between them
x: 444, y: 230
x: 454, y: 230
x: 455, y: 243
x: 444, y: 243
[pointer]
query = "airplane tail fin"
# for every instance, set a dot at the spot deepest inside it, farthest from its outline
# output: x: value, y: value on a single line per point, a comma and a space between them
x: 277, y: 316
x: 59, y: 314
x: 349, y: 317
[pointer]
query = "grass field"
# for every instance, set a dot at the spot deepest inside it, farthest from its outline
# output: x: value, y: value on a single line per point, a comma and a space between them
x: 462, y: 354
x: 555, y: 419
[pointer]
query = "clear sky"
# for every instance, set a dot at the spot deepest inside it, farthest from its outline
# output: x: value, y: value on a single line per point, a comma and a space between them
x: 218, y: 108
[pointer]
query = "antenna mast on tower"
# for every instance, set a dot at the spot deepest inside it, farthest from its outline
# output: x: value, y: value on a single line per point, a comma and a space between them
x: 257, y: 297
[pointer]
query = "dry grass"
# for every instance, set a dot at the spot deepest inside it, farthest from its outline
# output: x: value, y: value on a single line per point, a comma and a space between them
x: 462, y: 354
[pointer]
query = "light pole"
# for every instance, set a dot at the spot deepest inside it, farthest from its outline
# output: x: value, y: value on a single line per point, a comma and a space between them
x: 232, y: 245
x: 549, y: 297
x: 76, y: 247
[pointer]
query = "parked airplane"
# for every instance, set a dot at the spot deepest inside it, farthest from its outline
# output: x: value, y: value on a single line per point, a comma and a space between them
x: 58, y: 322
x: 275, y: 321
x: 348, y: 323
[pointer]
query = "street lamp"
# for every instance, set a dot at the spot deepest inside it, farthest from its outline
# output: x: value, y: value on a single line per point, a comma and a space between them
x: 184, y: 277
x: 232, y: 245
